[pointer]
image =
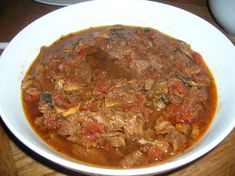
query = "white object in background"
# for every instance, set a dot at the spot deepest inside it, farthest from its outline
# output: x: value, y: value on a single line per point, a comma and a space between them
x: 224, y: 13
x: 3, y: 45
x: 60, y: 2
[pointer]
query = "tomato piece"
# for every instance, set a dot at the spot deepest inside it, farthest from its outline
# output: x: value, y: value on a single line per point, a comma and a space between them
x: 197, y: 58
x: 94, y: 127
x: 179, y: 86
x: 91, y: 128
x: 137, y: 105
x: 187, y: 113
x: 180, y: 113
x: 50, y: 123
x: 102, y: 87
x: 197, y: 78
x: 82, y: 53
x: 173, y: 112
x: 154, y: 153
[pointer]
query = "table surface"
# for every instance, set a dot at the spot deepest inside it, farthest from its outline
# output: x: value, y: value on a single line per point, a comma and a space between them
x: 16, y: 159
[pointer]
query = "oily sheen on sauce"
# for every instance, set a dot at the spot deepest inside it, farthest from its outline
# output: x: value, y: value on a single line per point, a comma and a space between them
x: 119, y: 96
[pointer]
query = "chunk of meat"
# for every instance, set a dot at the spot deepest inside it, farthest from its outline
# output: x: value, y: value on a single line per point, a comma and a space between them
x: 162, y: 145
x: 193, y: 82
x: 84, y: 72
x: 185, y: 49
x: 117, y: 121
x: 184, y: 128
x: 44, y: 107
x: 70, y: 127
x: 142, y: 66
x: 159, y: 104
x: 88, y: 141
x: 118, y: 141
x: 133, y: 159
x: 102, y: 117
x: 80, y: 127
x: 31, y: 95
x: 59, y: 84
x: 123, y: 91
x: 27, y: 82
x: 61, y: 101
x: 50, y: 122
x: 91, y: 105
x: 164, y: 127
x: 177, y: 139
x: 160, y: 87
x: 72, y: 86
x: 115, y: 139
x: 148, y: 84
x: 112, y: 119
x: 191, y: 71
x: 134, y: 125
x: 112, y: 102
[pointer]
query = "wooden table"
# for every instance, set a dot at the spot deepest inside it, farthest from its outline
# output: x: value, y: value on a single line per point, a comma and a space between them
x: 16, y: 159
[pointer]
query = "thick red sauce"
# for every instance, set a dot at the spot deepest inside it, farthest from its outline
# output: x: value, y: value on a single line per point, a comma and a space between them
x: 119, y: 96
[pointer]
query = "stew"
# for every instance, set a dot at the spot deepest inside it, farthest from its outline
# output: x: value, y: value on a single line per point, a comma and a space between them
x: 119, y: 96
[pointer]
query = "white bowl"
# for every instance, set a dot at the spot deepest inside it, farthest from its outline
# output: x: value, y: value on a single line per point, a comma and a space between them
x: 217, y: 50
